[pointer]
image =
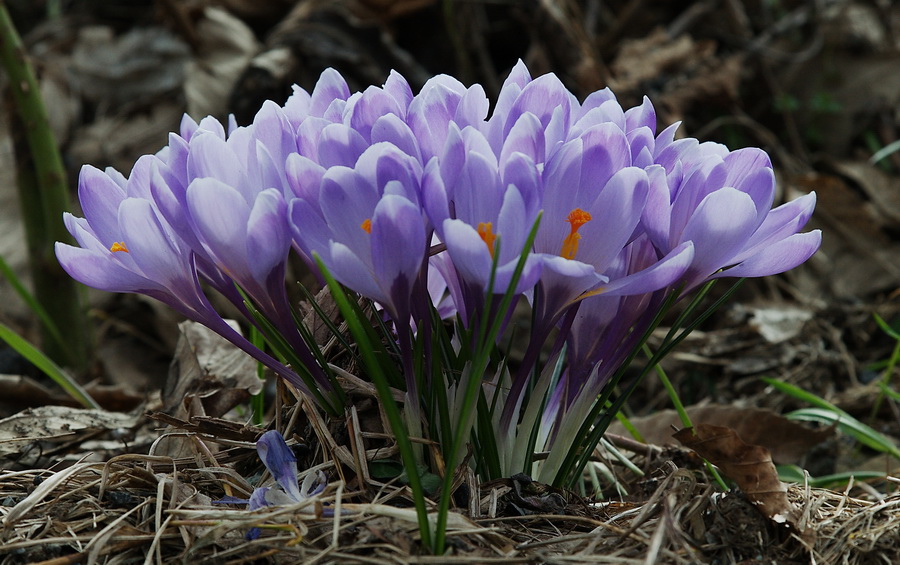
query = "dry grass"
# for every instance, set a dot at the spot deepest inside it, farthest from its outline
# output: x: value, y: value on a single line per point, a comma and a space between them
x: 159, y: 509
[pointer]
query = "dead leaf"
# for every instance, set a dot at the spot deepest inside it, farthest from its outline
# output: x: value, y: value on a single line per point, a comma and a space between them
x: 57, y: 424
x: 750, y: 466
x: 209, y: 368
x: 139, y: 65
x: 882, y: 189
x: 318, y: 327
x: 787, y: 441
x: 226, y: 46
x: 779, y: 323
x: 857, y: 258
x: 692, y: 70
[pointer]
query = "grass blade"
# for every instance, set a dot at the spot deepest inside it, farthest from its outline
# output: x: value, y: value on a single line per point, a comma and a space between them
x: 45, y: 364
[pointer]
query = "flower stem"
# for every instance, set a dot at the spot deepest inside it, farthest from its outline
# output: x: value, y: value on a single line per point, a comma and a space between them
x: 44, y: 197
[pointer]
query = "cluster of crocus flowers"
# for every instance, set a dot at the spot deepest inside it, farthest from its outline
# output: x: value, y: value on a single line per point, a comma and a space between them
x: 417, y: 199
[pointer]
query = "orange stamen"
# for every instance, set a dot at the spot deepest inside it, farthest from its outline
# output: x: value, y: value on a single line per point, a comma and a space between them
x: 118, y: 246
x: 486, y: 231
x: 577, y: 218
x: 366, y: 226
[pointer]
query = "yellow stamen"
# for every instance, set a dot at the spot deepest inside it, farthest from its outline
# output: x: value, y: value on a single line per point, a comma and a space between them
x: 118, y: 246
x: 366, y: 226
x: 486, y: 231
x: 577, y: 218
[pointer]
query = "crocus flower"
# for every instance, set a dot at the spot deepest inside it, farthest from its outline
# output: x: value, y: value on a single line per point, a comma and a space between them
x: 282, y: 464
x: 225, y: 193
x: 720, y: 200
x: 366, y: 226
x: 125, y: 245
x: 480, y: 207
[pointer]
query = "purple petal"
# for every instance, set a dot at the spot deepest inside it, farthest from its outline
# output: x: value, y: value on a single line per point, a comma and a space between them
x: 340, y: 145
x: 351, y: 271
x: 643, y: 116
x: 280, y: 461
x: 526, y: 136
x: 521, y: 172
x: 397, y: 86
x: 309, y: 229
x: 100, y: 197
x: 268, y: 234
x: 219, y: 215
x: 472, y: 108
x: 398, y: 245
x: 304, y: 176
x: 468, y: 251
x: 655, y: 217
x: 257, y: 501
x: 615, y: 214
x: 347, y: 200
x: 434, y: 196
x: 432, y: 110
x: 308, y: 134
x: 101, y: 272
x: 330, y: 86
x: 212, y: 157
x: 780, y: 223
x: 541, y: 97
x: 659, y: 275
x: 296, y: 109
x: 366, y: 109
x: 393, y: 130
x: 719, y: 228
x: 778, y: 257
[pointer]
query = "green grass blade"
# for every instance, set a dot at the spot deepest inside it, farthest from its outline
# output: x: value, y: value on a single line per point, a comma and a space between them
x: 795, y: 474
x: 45, y: 364
x: 827, y: 413
x: 885, y: 327
x: 33, y: 304
x: 849, y: 425
x: 373, y: 366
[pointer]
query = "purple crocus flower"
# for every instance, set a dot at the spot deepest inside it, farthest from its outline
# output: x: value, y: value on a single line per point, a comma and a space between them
x: 366, y: 226
x: 721, y: 201
x: 282, y: 464
x: 125, y: 245
x: 480, y: 207
x: 225, y: 193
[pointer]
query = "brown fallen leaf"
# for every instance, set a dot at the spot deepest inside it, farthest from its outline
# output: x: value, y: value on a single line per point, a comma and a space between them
x: 750, y: 466
x: 210, y: 370
x: 788, y: 442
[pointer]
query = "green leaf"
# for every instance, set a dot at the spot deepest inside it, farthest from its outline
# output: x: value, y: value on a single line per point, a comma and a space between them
x: 385, y: 469
x: 45, y: 364
x: 795, y: 474
x: 849, y: 425
x: 34, y: 305
x: 885, y: 327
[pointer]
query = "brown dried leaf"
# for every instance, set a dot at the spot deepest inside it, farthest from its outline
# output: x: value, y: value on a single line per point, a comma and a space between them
x: 57, y: 424
x: 319, y: 329
x: 141, y: 64
x: 882, y: 189
x: 787, y: 441
x: 858, y: 258
x: 750, y: 466
x: 695, y: 73
x: 208, y: 367
x: 226, y: 46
